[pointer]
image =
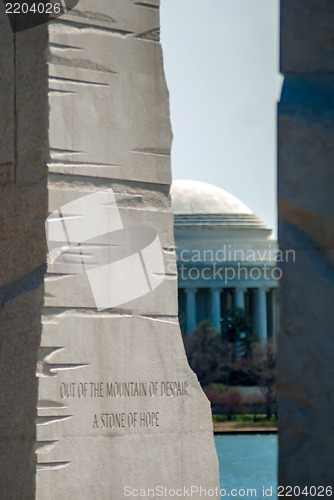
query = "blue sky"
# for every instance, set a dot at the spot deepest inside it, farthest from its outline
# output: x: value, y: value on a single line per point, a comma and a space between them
x: 221, y: 64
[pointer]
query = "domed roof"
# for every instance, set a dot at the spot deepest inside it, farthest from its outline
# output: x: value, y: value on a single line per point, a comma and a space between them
x: 194, y: 197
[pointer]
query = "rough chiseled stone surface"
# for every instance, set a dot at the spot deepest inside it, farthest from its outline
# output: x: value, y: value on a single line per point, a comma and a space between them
x: 7, y: 152
x: 307, y: 36
x: 306, y: 208
x: 23, y: 195
x: 115, y: 403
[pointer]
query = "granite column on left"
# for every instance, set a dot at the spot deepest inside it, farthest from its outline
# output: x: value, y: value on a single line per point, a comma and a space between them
x: 23, y: 201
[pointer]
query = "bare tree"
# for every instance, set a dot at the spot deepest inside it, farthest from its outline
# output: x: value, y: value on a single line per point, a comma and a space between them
x: 204, y: 352
x: 261, y: 366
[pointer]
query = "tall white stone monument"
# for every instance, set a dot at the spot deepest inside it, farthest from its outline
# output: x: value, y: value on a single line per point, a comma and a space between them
x: 115, y: 408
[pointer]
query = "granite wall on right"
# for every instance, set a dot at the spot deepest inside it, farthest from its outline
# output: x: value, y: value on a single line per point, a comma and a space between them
x: 306, y: 225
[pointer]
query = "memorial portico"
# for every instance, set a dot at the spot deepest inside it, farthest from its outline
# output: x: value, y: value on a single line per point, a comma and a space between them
x: 191, y: 308
x: 240, y: 297
x: 226, y: 259
x: 264, y: 300
x: 216, y: 308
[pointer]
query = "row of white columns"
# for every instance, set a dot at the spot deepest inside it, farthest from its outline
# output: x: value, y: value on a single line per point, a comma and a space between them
x: 216, y: 309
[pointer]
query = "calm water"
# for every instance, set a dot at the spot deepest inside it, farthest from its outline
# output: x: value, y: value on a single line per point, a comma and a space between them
x: 248, y: 462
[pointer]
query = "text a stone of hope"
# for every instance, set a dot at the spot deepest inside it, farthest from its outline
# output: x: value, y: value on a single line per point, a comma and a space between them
x: 81, y: 390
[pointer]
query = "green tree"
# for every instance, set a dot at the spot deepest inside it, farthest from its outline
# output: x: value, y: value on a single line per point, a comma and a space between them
x: 237, y: 330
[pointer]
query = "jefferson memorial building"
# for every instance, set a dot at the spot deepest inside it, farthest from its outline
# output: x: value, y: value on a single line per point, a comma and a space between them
x: 226, y: 258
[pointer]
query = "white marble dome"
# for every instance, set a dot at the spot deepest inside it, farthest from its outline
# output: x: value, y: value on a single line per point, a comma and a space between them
x: 194, y: 197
